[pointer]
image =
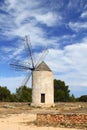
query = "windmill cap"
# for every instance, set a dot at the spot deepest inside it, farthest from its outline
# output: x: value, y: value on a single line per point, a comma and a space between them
x: 42, y: 67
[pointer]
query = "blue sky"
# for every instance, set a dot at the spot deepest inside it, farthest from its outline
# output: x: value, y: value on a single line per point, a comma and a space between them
x: 59, y: 25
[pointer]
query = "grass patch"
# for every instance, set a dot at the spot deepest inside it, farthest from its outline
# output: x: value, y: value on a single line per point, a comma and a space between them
x: 62, y: 124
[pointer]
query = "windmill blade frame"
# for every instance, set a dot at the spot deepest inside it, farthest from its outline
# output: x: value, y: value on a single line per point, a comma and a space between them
x: 28, y: 44
x: 20, y: 67
x: 44, y: 53
x: 26, y: 79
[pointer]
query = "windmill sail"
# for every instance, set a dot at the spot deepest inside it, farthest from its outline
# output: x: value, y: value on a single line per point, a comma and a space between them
x: 44, y: 53
x: 26, y: 79
x: 28, y: 44
x: 22, y: 66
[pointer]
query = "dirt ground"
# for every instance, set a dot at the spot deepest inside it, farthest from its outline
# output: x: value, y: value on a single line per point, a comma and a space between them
x: 16, y: 116
x: 19, y: 122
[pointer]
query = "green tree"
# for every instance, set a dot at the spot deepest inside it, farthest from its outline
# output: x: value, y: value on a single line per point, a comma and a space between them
x: 72, y: 98
x: 5, y: 94
x: 61, y: 91
x: 83, y: 98
x: 23, y: 94
x: 13, y: 98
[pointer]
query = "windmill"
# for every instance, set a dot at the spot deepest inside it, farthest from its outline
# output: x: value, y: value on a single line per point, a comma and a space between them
x: 41, y: 76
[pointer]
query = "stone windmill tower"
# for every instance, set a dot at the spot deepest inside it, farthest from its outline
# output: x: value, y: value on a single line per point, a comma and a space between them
x: 42, y: 79
x: 42, y: 86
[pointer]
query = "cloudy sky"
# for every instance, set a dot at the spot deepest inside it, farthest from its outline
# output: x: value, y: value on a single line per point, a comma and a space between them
x: 59, y: 25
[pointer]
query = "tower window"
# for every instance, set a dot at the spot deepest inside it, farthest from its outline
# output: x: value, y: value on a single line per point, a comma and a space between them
x: 42, y: 98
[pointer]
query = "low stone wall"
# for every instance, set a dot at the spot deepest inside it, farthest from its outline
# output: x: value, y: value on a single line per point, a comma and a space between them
x: 63, y: 118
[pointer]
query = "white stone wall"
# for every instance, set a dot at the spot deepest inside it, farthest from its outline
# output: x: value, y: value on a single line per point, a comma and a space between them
x: 42, y: 82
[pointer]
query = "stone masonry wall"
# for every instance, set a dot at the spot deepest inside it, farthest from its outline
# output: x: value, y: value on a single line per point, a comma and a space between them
x: 63, y: 118
x: 42, y: 82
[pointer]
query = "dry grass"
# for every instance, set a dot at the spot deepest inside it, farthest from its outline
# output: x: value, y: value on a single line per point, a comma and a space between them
x: 17, y: 108
x: 62, y: 125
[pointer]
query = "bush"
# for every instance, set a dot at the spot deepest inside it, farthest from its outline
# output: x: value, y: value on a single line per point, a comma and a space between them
x: 83, y: 98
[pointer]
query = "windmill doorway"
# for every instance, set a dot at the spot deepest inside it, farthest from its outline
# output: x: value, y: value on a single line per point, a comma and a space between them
x: 42, y: 98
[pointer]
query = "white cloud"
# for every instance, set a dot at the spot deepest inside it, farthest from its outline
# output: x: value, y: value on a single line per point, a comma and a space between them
x: 84, y: 14
x: 26, y: 29
x: 13, y: 51
x: 70, y: 64
x: 11, y: 3
x: 77, y: 26
x: 49, y: 18
x: 77, y: 5
x: 6, y: 49
x: 16, y: 52
x: 23, y: 18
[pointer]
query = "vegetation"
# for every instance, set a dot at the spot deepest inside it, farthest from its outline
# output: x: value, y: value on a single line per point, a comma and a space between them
x: 24, y: 94
x: 83, y: 98
x: 5, y: 94
x: 61, y: 91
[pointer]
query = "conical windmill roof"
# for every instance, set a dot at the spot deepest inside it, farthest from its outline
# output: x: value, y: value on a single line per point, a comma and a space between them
x: 42, y: 67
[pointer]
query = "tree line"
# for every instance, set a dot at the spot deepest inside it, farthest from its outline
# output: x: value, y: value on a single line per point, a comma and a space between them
x: 24, y: 94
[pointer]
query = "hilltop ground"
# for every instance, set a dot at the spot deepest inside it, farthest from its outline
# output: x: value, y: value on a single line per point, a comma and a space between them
x: 16, y: 116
